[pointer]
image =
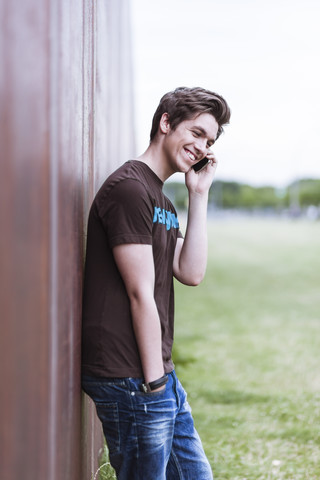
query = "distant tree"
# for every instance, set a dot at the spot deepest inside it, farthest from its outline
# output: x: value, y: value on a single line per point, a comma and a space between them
x: 231, y: 193
x: 266, y: 197
x: 237, y: 195
x: 309, y: 192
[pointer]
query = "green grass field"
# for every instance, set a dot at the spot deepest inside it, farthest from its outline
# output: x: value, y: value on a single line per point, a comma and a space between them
x: 247, y: 350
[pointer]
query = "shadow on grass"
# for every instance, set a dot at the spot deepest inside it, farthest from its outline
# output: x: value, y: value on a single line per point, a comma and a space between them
x: 180, y: 359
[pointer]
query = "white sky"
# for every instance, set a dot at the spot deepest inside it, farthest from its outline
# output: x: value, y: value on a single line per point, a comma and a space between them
x: 263, y: 56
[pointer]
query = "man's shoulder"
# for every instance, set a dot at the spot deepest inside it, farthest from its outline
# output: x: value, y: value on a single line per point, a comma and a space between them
x: 125, y: 180
x: 126, y: 188
x: 134, y: 177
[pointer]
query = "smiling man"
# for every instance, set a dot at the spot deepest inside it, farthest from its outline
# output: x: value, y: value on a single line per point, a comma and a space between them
x: 134, y: 250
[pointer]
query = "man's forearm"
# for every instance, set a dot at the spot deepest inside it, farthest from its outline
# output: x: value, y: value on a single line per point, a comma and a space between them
x: 136, y: 266
x: 193, y: 255
x: 147, y: 329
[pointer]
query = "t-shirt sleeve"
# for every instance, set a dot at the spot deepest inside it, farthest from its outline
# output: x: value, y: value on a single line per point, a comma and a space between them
x: 127, y: 214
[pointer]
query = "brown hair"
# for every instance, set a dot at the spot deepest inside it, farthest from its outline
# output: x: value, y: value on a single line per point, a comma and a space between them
x: 184, y: 103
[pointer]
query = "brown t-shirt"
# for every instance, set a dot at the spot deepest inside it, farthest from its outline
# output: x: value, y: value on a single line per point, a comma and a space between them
x: 130, y: 207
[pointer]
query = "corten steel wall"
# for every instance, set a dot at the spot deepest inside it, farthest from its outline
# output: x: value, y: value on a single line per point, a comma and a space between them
x: 66, y: 101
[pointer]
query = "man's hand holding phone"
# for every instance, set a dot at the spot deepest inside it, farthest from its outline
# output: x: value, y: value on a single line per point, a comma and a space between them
x: 205, y: 171
x: 197, y: 167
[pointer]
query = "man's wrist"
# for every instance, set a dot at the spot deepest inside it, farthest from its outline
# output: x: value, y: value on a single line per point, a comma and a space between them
x: 199, y: 196
x: 155, y: 384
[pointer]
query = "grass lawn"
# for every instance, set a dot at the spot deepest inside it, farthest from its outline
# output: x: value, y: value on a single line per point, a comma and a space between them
x: 247, y: 350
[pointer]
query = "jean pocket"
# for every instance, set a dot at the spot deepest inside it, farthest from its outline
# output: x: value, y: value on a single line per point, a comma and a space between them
x: 109, y: 416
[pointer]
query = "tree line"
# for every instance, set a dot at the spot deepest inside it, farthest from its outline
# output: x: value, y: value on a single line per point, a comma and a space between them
x: 232, y: 195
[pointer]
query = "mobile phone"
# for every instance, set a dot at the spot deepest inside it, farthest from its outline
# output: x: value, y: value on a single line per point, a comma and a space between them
x: 197, y: 167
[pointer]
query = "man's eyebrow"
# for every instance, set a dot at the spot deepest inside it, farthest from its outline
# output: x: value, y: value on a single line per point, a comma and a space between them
x: 204, y: 133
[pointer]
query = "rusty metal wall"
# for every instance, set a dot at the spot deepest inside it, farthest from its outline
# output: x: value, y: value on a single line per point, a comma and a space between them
x: 65, y: 102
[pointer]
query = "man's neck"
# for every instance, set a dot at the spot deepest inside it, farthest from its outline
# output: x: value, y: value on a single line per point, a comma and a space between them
x: 156, y: 160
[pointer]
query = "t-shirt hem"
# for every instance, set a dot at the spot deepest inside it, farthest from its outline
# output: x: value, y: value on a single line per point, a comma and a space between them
x: 101, y: 372
x: 110, y: 373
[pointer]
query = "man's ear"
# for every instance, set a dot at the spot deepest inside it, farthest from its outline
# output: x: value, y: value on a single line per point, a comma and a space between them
x: 164, y: 123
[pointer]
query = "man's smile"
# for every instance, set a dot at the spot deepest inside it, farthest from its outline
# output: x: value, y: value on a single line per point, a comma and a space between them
x: 190, y: 155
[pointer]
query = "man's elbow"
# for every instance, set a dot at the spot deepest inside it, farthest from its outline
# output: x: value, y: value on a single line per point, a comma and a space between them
x: 197, y: 280
x: 192, y: 280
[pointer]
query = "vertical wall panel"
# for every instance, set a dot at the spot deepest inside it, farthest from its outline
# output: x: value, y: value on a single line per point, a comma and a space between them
x: 113, y: 139
x: 91, y: 430
x: 66, y: 229
x: 115, y: 142
x: 63, y: 104
x: 24, y: 239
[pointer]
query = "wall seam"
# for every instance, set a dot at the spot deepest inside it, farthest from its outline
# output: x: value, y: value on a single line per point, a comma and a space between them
x: 53, y: 235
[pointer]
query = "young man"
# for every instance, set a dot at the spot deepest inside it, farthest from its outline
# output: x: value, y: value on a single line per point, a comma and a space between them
x: 134, y: 250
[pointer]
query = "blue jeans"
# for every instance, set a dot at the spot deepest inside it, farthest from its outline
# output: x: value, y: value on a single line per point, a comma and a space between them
x: 150, y: 436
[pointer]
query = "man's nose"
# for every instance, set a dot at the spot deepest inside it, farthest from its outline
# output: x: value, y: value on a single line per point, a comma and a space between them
x: 201, y: 146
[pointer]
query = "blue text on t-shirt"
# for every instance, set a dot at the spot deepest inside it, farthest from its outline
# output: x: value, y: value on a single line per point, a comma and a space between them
x: 165, y: 217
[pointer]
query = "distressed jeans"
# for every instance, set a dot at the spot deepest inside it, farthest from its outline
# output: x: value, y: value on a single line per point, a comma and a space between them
x: 150, y: 436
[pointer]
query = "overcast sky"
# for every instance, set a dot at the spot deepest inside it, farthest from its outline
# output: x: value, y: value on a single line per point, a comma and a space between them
x: 262, y: 56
